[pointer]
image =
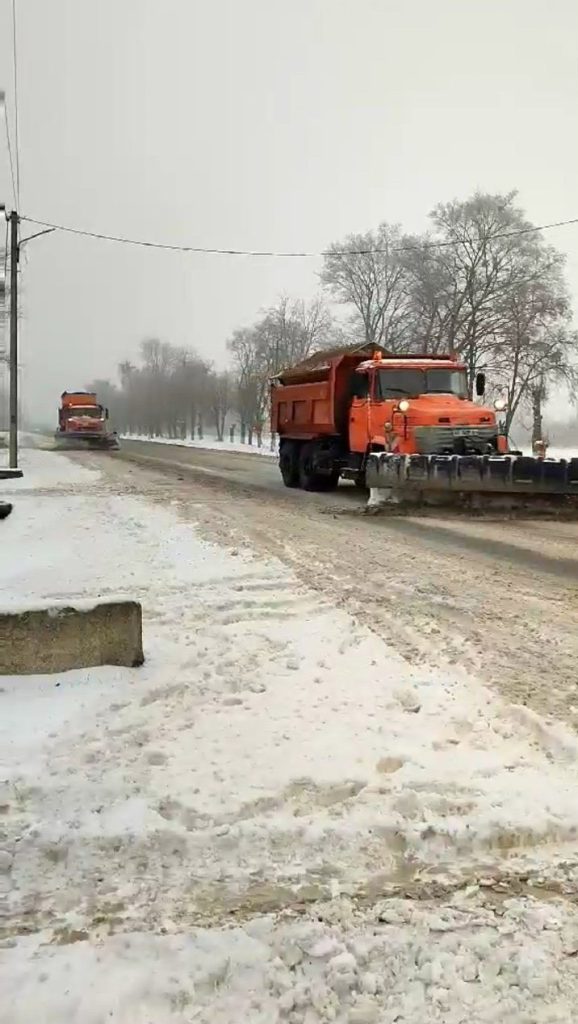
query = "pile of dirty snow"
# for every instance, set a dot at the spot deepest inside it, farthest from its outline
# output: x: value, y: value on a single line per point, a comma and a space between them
x: 401, y: 962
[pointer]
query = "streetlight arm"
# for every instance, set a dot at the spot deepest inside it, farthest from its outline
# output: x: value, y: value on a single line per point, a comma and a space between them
x: 47, y: 231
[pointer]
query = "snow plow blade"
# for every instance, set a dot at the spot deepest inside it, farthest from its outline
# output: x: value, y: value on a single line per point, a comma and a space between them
x: 81, y: 441
x: 415, y: 478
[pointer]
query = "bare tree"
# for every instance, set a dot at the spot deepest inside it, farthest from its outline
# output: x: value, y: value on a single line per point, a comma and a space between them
x: 287, y: 332
x: 284, y: 334
x: 367, y: 273
x: 538, y: 397
x: 531, y: 364
x: 535, y: 344
x: 189, y: 390
x: 430, y: 294
x: 251, y: 372
x: 220, y: 392
x: 481, y: 258
x: 485, y: 286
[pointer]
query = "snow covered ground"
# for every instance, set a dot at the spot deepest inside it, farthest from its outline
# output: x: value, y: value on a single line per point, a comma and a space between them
x: 277, y: 818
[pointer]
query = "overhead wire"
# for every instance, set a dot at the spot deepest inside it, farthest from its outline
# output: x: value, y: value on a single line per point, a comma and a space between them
x: 206, y: 250
x: 16, y: 118
x: 12, y: 174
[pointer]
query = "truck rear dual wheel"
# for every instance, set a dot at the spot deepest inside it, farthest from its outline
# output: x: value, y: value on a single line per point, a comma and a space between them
x: 297, y: 463
x: 309, y: 478
x: 289, y: 464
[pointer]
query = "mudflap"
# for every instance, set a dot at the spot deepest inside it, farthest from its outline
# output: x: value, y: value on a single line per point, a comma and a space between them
x: 473, y: 481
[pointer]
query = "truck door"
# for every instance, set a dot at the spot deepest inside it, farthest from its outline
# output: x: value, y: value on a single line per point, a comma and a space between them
x: 382, y: 406
x: 392, y: 386
x: 359, y: 412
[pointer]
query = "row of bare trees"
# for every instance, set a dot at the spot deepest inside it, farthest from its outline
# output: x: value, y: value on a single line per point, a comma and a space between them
x: 170, y: 392
x: 481, y: 282
x: 173, y: 392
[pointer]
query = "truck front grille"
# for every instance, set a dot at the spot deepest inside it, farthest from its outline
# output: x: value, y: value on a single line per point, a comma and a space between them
x: 436, y: 440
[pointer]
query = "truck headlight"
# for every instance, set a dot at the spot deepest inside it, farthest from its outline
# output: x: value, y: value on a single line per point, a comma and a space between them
x: 404, y: 405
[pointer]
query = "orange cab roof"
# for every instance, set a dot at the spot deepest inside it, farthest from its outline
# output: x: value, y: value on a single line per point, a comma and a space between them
x: 414, y: 362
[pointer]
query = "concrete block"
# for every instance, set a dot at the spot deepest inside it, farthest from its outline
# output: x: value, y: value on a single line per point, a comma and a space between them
x: 58, y: 638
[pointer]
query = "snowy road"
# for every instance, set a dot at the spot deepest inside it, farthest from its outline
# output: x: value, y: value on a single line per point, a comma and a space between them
x: 541, y: 546
x: 322, y: 798
x: 500, y: 598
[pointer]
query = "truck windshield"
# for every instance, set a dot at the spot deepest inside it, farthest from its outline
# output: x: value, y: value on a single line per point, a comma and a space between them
x: 73, y: 411
x: 411, y: 381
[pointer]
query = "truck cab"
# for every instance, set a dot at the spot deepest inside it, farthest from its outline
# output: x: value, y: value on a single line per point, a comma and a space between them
x: 412, y: 405
x: 83, y: 422
x: 82, y: 417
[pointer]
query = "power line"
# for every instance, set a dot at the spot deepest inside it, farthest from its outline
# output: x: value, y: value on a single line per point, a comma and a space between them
x: 286, y: 255
x: 12, y: 175
x: 15, y: 67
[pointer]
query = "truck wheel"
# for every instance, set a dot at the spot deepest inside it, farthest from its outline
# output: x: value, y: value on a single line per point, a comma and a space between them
x: 289, y: 464
x: 309, y: 478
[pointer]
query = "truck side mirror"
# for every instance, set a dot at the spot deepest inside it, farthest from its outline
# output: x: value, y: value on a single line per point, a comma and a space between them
x: 106, y: 413
x: 480, y: 384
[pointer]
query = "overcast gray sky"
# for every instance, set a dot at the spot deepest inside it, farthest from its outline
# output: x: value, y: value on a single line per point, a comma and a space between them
x: 276, y: 124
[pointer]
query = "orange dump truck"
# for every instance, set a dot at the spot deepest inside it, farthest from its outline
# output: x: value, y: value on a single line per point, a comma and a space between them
x: 83, y: 423
x: 401, y: 426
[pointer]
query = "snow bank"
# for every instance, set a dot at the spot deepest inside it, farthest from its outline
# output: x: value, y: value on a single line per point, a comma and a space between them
x: 562, y: 453
x: 211, y: 444
x: 271, y: 754
x: 554, y: 452
x: 402, y: 962
x: 42, y: 471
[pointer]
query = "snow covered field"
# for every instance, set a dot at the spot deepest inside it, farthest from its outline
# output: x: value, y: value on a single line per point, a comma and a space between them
x: 277, y: 818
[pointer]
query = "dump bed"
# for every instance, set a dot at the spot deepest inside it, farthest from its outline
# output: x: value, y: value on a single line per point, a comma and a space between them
x: 78, y: 398
x: 312, y: 399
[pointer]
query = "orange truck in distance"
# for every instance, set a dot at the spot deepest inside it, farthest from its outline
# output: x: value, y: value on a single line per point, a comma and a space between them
x: 402, y: 427
x: 83, y: 423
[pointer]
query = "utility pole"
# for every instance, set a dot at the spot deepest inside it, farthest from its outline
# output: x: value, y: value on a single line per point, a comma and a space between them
x: 15, y: 246
x: 13, y: 220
